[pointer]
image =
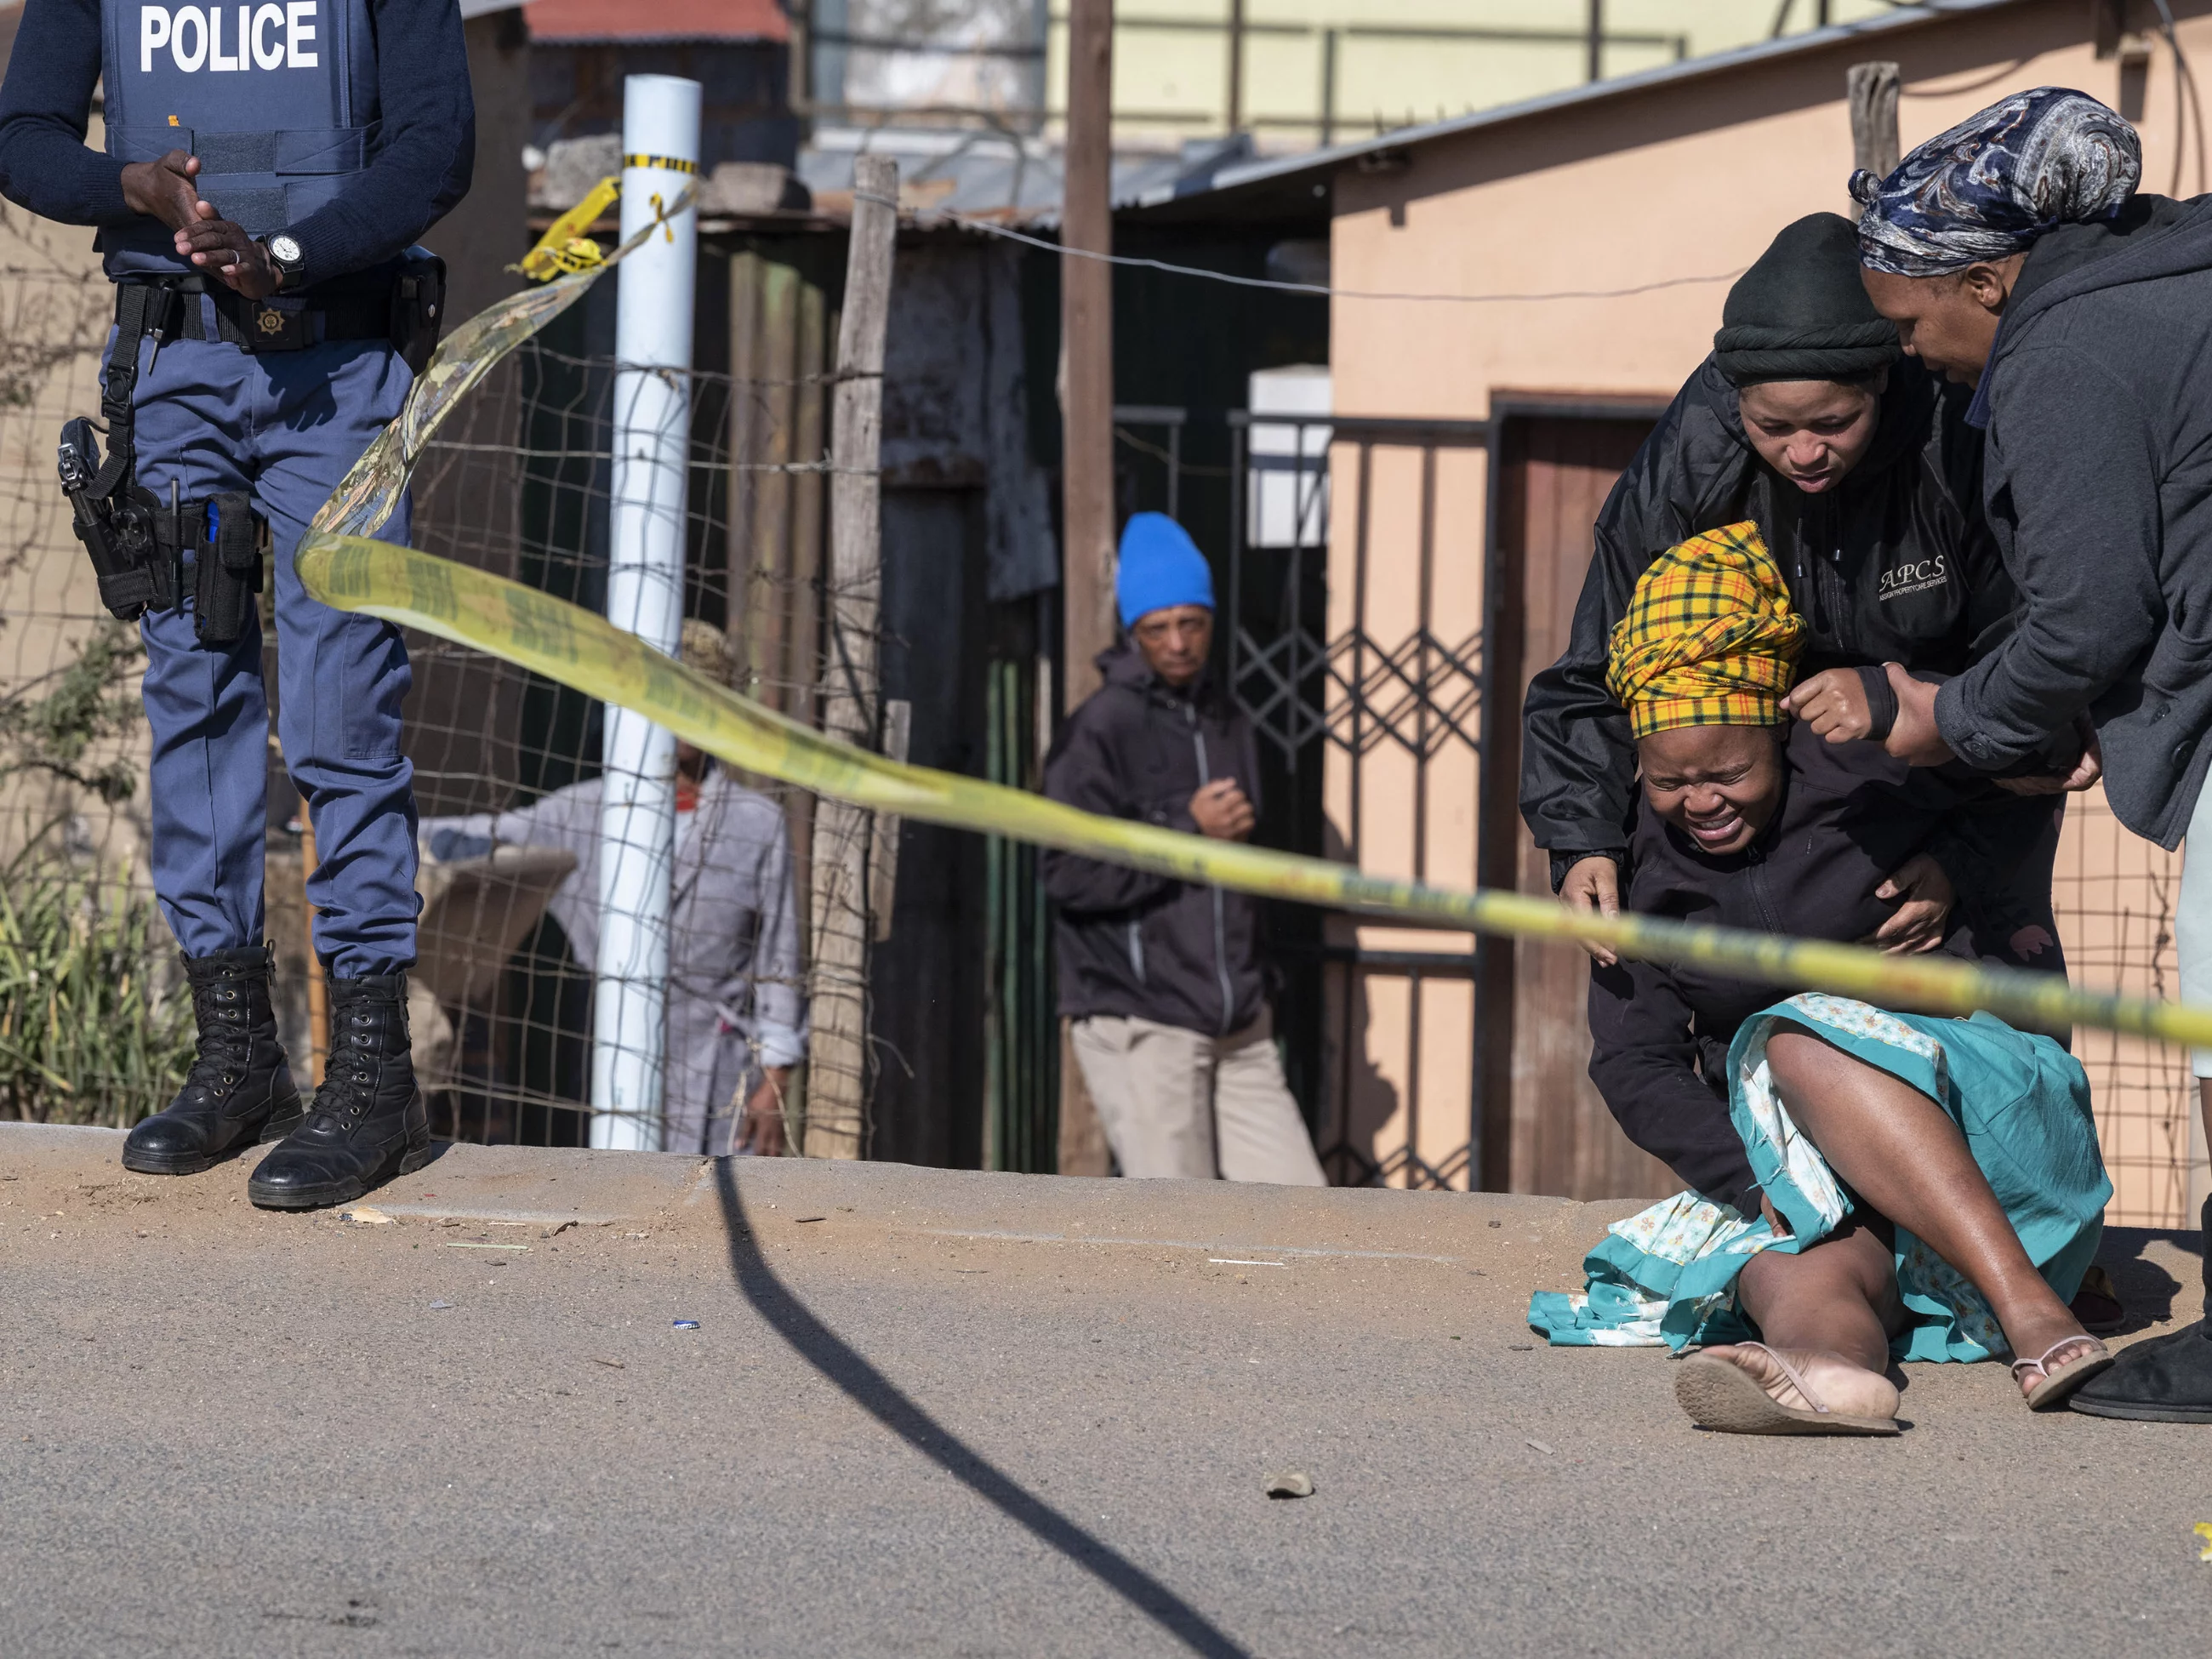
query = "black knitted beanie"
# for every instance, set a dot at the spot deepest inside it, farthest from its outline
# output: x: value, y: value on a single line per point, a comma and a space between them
x: 1800, y: 313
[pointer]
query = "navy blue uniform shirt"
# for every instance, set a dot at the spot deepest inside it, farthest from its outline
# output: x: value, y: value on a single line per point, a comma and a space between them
x: 427, y: 140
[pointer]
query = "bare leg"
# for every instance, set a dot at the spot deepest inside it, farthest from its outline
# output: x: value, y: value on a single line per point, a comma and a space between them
x: 1830, y: 1310
x: 1906, y: 1158
x: 1839, y: 1296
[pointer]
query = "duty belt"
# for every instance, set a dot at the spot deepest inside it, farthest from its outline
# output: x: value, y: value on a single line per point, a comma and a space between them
x: 173, y: 312
x: 137, y: 543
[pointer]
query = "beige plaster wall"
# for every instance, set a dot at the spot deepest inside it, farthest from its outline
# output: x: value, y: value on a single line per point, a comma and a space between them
x: 1173, y: 83
x: 1640, y: 189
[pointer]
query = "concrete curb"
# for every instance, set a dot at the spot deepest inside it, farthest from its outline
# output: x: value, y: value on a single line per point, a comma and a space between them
x: 547, y: 1186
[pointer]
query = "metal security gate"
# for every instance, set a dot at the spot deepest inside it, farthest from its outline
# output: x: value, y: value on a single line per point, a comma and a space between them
x: 1332, y: 690
x: 1368, y: 561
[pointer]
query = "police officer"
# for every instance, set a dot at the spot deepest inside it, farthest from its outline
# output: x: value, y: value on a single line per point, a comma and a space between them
x: 268, y: 169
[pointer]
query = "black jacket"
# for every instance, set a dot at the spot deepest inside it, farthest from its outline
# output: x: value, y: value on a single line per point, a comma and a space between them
x: 2099, y: 492
x: 1661, y: 1035
x: 1130, y: 944
x: 1893, y: 564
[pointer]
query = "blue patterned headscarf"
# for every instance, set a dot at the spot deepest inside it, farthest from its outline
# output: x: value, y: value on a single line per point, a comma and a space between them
x: 1993, y: 183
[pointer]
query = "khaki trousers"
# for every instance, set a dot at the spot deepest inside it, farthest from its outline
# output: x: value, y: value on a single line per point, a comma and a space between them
x: 1178, y: 1102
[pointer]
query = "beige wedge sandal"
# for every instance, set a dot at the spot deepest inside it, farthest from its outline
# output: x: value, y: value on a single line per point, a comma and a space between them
x: 1718, y: 1394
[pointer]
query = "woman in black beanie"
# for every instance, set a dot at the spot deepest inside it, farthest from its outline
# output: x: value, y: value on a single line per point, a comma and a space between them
x: 1865, y: 482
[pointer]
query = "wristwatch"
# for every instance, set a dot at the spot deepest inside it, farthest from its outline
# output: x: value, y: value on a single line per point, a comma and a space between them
x: 284, y: 252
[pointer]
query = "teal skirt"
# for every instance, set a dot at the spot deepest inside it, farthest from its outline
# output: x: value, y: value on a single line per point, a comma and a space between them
x: 1667, y: 1274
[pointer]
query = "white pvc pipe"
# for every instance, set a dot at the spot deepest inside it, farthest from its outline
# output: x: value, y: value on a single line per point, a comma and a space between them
x: 645, y: 594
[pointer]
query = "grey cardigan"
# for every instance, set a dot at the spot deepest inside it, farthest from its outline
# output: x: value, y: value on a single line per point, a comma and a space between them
x: 735, y: 989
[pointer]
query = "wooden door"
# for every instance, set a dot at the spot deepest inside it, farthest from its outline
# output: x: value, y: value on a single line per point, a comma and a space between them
x: 1557, y: 1137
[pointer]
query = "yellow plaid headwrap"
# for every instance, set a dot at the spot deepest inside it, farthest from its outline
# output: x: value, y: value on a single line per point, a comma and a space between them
x: 1708, y: 639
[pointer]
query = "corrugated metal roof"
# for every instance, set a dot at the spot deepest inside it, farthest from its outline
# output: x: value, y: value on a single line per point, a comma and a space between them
x: 558, y: 20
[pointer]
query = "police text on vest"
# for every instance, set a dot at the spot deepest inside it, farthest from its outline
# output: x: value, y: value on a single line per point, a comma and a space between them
x: 267, y: 37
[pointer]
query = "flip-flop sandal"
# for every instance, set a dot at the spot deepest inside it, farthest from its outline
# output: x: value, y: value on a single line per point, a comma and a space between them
x: 1718, y: 1394
x: 2057, y: 1385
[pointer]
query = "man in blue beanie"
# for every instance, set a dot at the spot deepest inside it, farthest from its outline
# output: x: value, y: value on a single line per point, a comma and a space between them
x: 1161, y: 978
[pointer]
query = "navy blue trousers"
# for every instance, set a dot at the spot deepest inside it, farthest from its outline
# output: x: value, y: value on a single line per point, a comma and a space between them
x: 285, y: 426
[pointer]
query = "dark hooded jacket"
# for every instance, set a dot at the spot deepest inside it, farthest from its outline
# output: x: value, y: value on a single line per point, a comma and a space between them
x: 2099, y: 396
x: 1130, y: 944
x: 1894, y: 563
x: 1850, y: 816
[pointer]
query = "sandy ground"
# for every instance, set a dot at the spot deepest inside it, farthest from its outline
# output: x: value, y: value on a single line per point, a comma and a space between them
x: 941, y: 1413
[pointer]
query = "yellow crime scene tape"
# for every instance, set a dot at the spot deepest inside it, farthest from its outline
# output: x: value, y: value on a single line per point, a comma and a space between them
x: 564, y: 249
x: 340, y: 564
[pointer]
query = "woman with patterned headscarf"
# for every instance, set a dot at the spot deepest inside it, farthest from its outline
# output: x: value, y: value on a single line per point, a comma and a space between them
x: 2017, y: 257
x: 1863, y: 1184
x: 1865, y: 482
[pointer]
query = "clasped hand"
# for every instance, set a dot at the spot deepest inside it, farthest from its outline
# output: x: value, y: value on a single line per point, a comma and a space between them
x: 1222, y: 810
x: 1833, y: 703
x: 168, y: 190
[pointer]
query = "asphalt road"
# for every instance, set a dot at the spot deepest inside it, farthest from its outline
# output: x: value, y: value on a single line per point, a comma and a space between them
x: 928, y: 1414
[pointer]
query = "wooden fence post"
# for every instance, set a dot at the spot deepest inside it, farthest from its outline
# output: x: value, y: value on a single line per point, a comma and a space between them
x: 1870, y: 89
x: 837, y: 1063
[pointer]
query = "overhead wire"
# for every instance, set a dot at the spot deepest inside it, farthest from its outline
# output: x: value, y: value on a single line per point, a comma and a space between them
x: 1322, y: 290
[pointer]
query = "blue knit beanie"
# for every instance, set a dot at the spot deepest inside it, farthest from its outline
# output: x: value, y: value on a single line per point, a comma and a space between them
x: 1160, y: 566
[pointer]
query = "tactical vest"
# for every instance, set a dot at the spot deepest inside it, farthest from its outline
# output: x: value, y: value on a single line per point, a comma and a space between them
x: 278, y: 100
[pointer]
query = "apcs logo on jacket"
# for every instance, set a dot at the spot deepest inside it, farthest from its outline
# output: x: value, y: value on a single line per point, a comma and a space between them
x: 1917, y: 577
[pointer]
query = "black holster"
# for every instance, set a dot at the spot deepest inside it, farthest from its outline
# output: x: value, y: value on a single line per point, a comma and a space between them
x: 137, y: 543
x: 418, y: 309
x: 226, y: 565
x: 120, y: 530
x: 116, y: 519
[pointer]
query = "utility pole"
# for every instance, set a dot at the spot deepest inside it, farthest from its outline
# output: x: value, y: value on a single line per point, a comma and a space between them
x: 1086, y: 409
x: 1328, y: 40
x: 837, y: 1059
x: 1086, y: 332
x: 1236, y: 67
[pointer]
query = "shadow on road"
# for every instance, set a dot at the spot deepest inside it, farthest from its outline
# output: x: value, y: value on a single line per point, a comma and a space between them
x: 875, y: 1394
x: 2146, y: 1289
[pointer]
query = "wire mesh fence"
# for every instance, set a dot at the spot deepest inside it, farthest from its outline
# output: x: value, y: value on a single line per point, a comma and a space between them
x: 93, y: 1025
x: 508, y: 780
x: 2114, y: 895
x: 94, y: 1022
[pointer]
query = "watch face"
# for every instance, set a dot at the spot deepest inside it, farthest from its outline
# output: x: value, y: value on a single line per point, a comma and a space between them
x: 284, y: 248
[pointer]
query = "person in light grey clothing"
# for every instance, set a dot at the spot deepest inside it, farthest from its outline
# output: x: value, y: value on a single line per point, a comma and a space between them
x: 737, y: 1013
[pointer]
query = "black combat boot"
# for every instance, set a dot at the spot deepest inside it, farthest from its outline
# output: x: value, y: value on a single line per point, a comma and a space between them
x: 2167, y: 1379
x: 240, y: 1090
x: 368, y: 1122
